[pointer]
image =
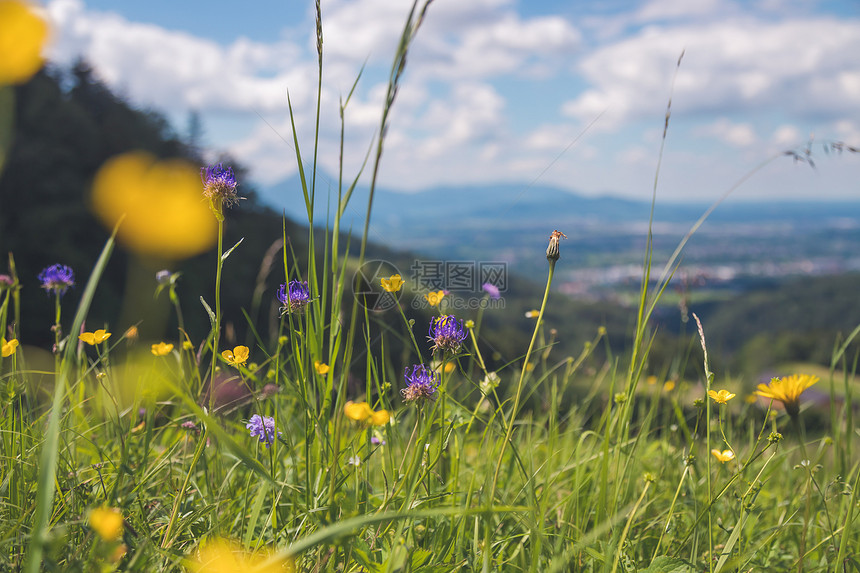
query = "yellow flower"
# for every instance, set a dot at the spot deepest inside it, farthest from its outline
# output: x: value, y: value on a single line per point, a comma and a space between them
x: 160, y: 202
x: 533, y: 313
x: 392, y: 284
x: 22, y: 35
x: 434, y: 297
x: 362, y: 412
x: 787, y: 390
x: 668, y: 385
x: 9, y: 348
x: 236, y: 357
x: 162, y: 349
x: 321, y: 367
x: 107, y: 522
x: 222, y: 556
x: 724, y: 456
x: 751, y: 399
x: 721, y: 397
x: 132, y: 333
x: 651, y: 380
x: 93, y: 338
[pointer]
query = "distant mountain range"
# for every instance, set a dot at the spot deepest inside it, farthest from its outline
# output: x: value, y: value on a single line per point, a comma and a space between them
x: 512, y: 223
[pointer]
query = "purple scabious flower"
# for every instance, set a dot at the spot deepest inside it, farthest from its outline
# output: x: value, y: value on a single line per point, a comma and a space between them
x: 57, y: 278
x: 294, y: 296
x: 264, y: 427
x: 421, y: 384
x: 492, y: 290
x: 447, y: 333
x: 219, y: 184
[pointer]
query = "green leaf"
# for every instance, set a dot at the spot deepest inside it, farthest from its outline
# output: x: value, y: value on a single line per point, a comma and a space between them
x: 209, y: 312
x: 227, y: 254
x: 665, y: 564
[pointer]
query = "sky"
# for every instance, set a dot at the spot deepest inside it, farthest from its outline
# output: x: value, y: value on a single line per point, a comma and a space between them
x: 534, y: 92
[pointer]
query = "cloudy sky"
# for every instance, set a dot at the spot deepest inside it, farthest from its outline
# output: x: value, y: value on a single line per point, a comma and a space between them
x: 556, y: 92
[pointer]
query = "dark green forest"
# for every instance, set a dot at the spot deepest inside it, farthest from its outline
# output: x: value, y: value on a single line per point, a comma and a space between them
x: 68, y: 123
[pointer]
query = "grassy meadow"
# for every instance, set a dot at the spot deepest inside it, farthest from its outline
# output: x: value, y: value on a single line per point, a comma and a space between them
x: 316, y: 446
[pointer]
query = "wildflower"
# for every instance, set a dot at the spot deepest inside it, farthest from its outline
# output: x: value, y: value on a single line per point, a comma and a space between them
x: 724, y: 456
x: 470, y: 324
x: 490, y: 382
x: 362, y: 412
x: 447, y: 333
x: 6, y: 282
x: 434, y: 297
x: 162, y: 277
x: 132, y: 333
x: 9, y: 348
x: 534, y: 313
x: 787, y: 390
x: 422, y: 383
x: 492, y: 290
x: 93, y: 338
x: 751, y: 399
x: 552, y: 250
x: 264, y: 427
x: 321, y: 367
x: 223, y: 556
x: 162, y: 349
x: 236, y: 357
x: 219, y: 186
x: 22, y: 35
x: 294, y: 296
x: 354, y: 461
x: 721, y: 397
x: 392, y: 284
x: 668, y: 385
x: 107, y: 522
x: 377, y: 441
x: 57, y: 278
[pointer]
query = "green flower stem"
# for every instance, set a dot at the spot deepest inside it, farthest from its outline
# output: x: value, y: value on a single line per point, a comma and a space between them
x: 510, y: 425
x: 217, y: 326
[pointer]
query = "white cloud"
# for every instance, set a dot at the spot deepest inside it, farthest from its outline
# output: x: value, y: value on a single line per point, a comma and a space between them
x: 797, y: 66
x: 737, y: 134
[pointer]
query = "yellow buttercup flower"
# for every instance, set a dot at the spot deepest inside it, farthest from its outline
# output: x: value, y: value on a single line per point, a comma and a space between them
x: 362, y: 412
x: 434, y: 297
x: 9, y: 348
x: 162, y: 348
x: 236, y: 357
x: 222, y: 556
x: 534, y: 313
x: 132, y: 333
x: 23, y: 33
x: 787, y: 390
x: 321, y: 367
x: 721, y: 397
x: 93, y: 338
x: 107, y: 522
x: 724, y: 456
x: 392, y: 284
x: 668, y: 385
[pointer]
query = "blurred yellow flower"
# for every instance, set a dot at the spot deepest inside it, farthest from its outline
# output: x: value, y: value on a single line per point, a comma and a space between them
x: 668, y: 385
x: 165, y: 214
x: 721, y: 397
x: 392, y: 284
x: 651, y: 380
x: 321, y: 367
x: 434, y: 297
x: 787, y: 390
x: 107, y: 522
x: 362, y: 412
x: 93, y: 338
x: 132, y: 333
x: 751, y: 399
x: 162, y: 348
x: 222, y: 556
x: 236, y: 357
x: 23, y: 33
x: 724, y: 456
x: 9, y: 348
x: 534, y: 313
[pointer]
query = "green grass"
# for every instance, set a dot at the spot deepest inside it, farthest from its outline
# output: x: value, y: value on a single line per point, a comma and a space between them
x: 564, y: 463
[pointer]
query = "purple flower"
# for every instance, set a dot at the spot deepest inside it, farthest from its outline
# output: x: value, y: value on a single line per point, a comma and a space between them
x: 294, y: 296
x: 57, y: 278
x: 447, y: 333
x: 264, y: 427
x: 492, y: 290
x: 421, y: 384
x: 219, y: 184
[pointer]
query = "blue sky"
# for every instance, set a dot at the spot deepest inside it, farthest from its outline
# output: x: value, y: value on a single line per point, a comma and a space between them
x: 564, y: 93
